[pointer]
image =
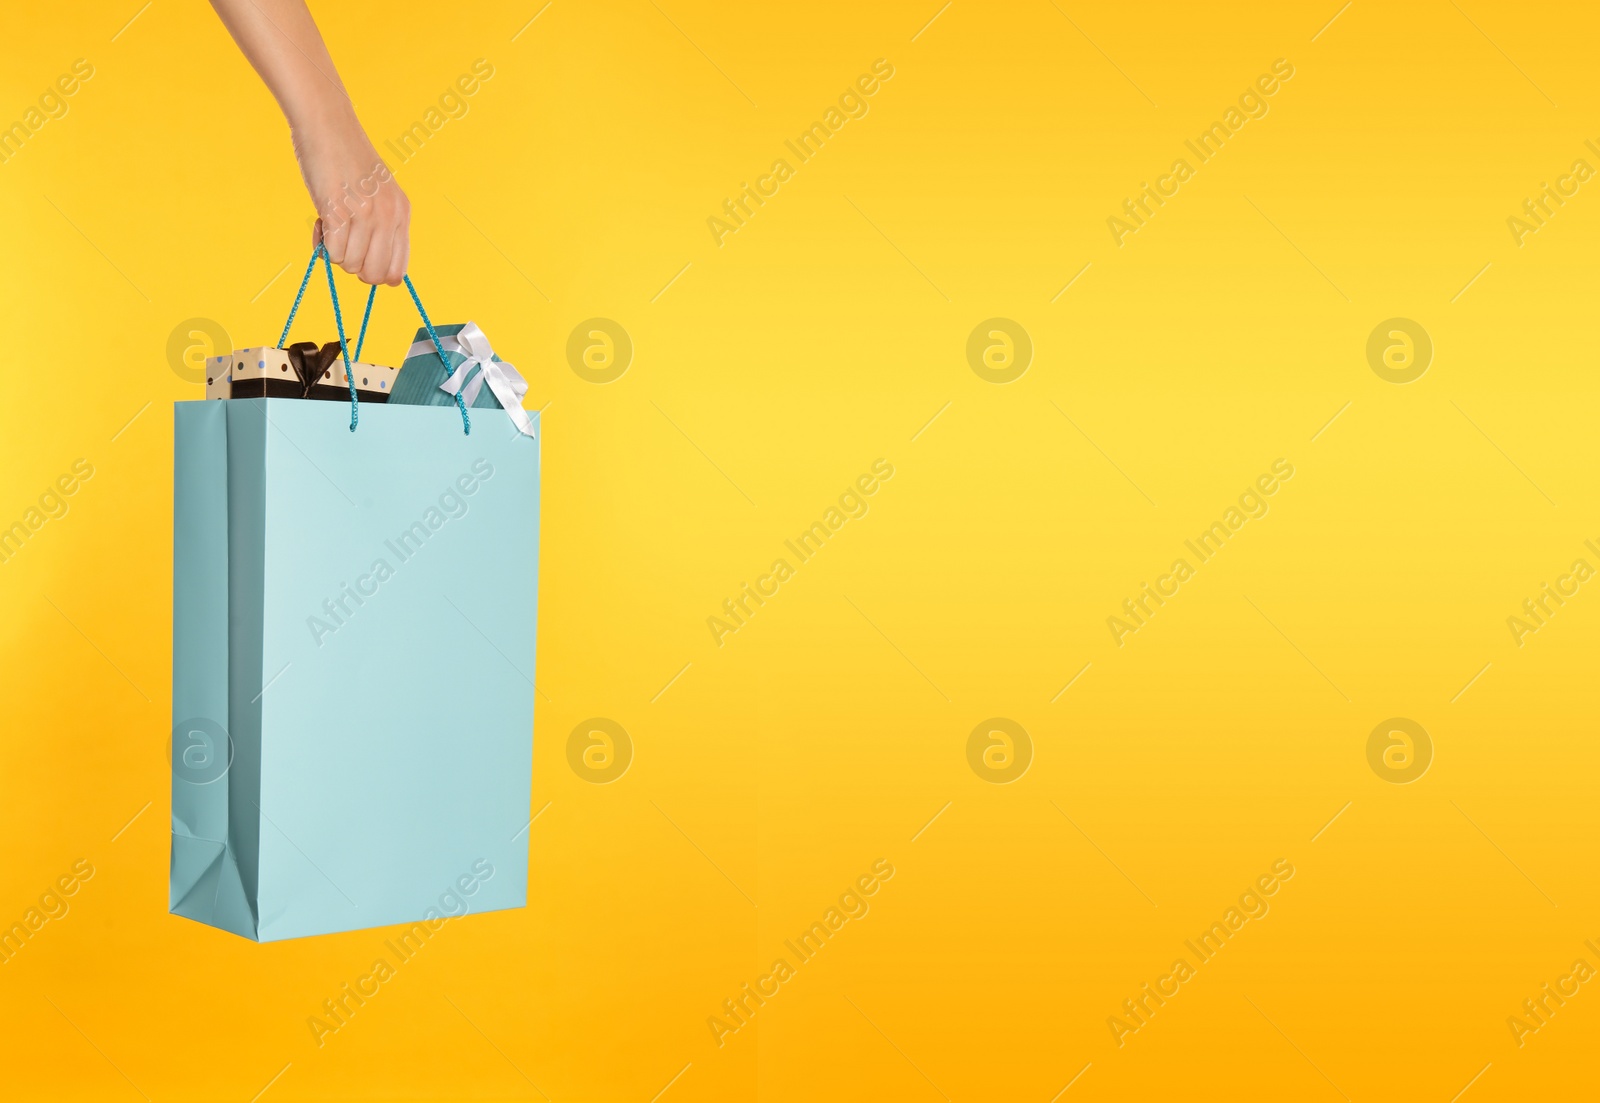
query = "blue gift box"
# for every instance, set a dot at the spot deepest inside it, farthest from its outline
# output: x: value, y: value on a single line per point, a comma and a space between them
x: 423, y: 372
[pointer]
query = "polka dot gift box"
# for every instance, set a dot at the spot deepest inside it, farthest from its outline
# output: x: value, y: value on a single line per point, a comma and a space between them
x: 274, y: 373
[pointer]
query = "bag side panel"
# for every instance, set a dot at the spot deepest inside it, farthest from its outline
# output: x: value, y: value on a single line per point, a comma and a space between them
x: 204, y: 882
x: 248, y: 429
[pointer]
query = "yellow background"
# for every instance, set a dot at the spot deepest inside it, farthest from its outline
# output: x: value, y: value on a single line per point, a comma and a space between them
x: 831, y: 729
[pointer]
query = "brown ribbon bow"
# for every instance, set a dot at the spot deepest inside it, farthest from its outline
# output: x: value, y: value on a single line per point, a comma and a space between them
x: 311, y: 361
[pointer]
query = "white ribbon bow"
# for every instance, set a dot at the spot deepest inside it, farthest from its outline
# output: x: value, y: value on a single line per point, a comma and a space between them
x: 480, y: 367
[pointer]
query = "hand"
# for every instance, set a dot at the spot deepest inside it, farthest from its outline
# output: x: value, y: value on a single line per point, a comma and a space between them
x: 362, y: 215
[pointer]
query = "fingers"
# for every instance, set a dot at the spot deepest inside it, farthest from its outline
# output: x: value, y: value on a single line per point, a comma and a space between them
x: 347, y: 222
x: 363, y: 227
x: 333, y: 228
x: 375, y: 260
x: 399, y: 258
x: 366, y: 229
x: 373, y: 243
x: 400, y: 255
x: 384, y: 258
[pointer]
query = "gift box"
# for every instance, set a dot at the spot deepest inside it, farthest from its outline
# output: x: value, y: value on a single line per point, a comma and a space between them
x: 460, y: 365
x: 421, y: 379
x: 303, y: 370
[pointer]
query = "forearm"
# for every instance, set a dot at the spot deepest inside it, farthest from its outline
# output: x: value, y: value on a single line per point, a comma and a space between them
x: 363, y: 218
x: 282, y: 43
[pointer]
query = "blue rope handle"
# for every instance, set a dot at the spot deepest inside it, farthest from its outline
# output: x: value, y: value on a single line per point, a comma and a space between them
x: 466, y: 420
x: 298, y: 295
x: 321, y: 250
x: 361, y: 338
x: 338, y: 320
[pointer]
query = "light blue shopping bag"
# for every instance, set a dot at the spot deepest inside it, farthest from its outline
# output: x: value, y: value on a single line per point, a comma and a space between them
x: 353, y: 662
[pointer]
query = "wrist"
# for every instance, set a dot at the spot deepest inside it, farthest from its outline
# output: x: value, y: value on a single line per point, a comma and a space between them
x: 327, y: 113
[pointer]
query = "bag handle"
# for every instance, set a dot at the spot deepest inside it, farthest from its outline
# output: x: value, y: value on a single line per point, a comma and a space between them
x: 355, y: 406
x: 361, y: 338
